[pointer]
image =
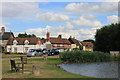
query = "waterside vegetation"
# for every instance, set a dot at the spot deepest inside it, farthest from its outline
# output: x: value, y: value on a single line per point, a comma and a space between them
x: 86, y: 56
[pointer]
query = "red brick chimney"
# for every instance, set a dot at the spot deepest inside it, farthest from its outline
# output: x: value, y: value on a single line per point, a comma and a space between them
x: 2, y: 30
x: 59, y: 36
x: 48, y: 36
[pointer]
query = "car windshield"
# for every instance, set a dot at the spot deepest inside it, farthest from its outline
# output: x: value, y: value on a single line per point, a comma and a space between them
x: 39, y: 50
x: 55, y: 49
x: 32, y: 50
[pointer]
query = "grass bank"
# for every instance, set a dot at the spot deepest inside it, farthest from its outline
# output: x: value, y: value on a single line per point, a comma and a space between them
x: 85, y: 56
x: 47, y: 69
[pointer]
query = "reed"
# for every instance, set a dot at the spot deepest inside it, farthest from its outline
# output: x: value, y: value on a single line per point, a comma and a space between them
x: 85, y: 56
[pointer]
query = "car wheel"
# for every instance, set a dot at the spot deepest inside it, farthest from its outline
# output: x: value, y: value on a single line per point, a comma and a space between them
x: 35, y: 55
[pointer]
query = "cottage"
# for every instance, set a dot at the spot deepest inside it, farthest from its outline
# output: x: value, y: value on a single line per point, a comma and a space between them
x: 23, y: 44
x: 4, y: 37
x: 58, y: 42
x: 74, y: 42
x: 87, y: 46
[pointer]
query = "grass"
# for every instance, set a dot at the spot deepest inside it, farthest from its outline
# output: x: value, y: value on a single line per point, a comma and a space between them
x: 12, y: 55
x: 47, y: 69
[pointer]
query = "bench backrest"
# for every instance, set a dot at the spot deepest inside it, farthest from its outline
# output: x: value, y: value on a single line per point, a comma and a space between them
x: 13, y: 65
x: 23, y: 59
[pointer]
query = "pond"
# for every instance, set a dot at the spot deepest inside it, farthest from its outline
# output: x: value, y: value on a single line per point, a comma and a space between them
x: 98, y: 70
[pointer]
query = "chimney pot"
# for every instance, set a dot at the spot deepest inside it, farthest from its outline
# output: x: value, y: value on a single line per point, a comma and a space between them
x: 48, y: 36
x: 60, y: 36
x: 2, y: 30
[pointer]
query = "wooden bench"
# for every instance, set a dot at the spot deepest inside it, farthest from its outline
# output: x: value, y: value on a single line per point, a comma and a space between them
x: 14, y: 66
x: 23, y: 60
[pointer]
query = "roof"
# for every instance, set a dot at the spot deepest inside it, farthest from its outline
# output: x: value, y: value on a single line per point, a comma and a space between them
x: 6, y: 36
x: 86, y: 43
x: 32, y: 41
x: 74, y: 41
x: 59, y: 40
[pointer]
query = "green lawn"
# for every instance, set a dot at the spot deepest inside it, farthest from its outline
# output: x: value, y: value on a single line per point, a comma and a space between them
x: 47, y: 69
x: 12, y: 55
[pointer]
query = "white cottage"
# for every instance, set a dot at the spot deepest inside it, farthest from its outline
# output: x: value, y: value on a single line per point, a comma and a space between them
x: 23, y: 44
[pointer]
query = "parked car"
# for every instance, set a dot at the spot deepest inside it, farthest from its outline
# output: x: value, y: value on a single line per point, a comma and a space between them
x: 45, y: 51
x: 56, y: 51
x: 34, y: 52
x: 50, y: 53
x: 53, y: 52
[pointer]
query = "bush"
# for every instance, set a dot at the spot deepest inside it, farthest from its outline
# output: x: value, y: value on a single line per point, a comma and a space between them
x: 20, y: 53
x: 85, y: 56
x: 7, y: 52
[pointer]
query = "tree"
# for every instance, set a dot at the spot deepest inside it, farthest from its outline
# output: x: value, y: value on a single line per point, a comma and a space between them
x: 42, y: 38
x: 25, y: 35
x: 89, y: 40
x: 108, y: 38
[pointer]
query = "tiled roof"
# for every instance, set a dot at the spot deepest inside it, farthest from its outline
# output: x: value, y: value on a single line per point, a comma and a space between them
x: 59, y: 40
x: 32, y: 41
x: 86, y: 43
x: 74, y: 41
x: 6, y: 36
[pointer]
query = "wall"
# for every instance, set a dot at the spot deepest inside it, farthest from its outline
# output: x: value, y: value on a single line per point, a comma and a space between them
x: 87, y: 49
x: 3, y: 42
x: 21, y: 48
x: 73, y: 46
x: 115, y: 53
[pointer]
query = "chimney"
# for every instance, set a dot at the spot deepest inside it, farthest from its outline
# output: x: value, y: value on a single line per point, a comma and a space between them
x: 2, y: 30
x: 48, y: 36
x: 60, y: 36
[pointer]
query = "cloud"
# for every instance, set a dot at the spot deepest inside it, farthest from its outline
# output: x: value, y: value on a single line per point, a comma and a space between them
x: 87, y: 22
x: 112, y: 0
x: 79, y: 34
x: 18, y: 9
x: 104, y: 8
x: 112, y: 19
x: 52, y: 17
x: 69, y: 25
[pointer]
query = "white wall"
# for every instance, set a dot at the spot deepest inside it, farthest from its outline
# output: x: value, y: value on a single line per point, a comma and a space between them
x: 73, y: 46
x: 21, y: 48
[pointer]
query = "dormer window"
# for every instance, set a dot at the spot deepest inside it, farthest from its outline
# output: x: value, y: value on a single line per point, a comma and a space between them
x: 26, y: 42
x: 15, y: 42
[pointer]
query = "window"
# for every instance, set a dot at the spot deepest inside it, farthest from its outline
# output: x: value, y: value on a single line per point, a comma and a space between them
x: 86, y: 45
x: 32, y: 50
x: 91, y: 46
x: 15, y: 49
x: 61, y: 45
x: 38, y: 50
x: 26, y: 42
x: 68, y: 45
x: 64, y: 45
x: 9, y: 49
x: 26, y: 49
x: 15, y: 42
x: 55, y: 44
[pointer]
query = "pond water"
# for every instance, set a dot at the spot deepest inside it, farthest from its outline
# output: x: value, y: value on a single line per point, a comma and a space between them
x: 98, y: 70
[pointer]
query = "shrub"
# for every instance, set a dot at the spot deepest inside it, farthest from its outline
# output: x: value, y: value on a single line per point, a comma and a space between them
x: 85, y: 56
x: 20, y: 53
x: 7, y: 52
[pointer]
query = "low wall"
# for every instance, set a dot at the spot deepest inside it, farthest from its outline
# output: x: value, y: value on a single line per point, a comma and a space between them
x: 115, y: 53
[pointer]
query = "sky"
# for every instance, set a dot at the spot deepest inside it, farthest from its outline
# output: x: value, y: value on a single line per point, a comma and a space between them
x: 76, y: 19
